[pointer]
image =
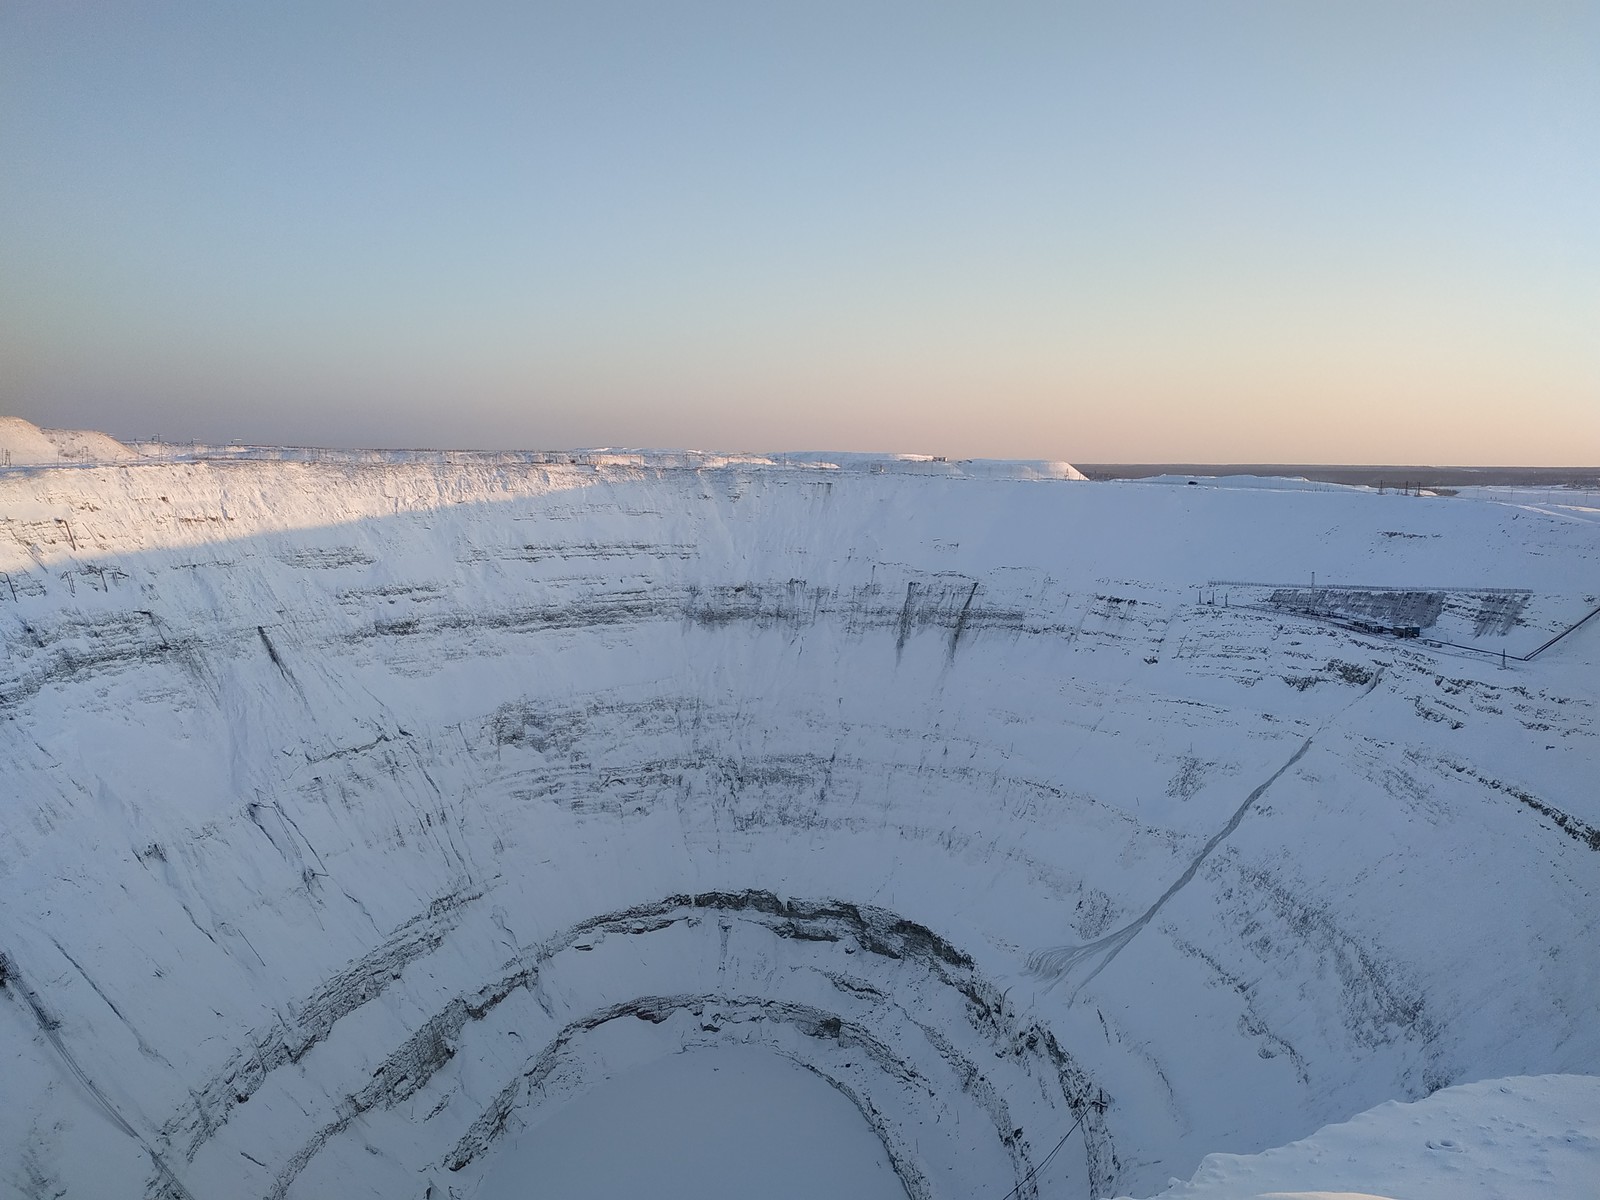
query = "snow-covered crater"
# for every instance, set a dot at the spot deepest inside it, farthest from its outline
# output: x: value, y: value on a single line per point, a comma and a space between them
x: 366, y: 809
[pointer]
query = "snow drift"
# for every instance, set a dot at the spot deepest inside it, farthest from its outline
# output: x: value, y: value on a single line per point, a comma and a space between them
x: 365, y: 808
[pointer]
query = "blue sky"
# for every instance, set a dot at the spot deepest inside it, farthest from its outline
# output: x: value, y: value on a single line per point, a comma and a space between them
x: 1134, y: 231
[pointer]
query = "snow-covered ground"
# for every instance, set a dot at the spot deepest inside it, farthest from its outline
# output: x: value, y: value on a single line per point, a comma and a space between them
x: 716, y: 1124
x: 1502, y: 1138
x: 367, y: 809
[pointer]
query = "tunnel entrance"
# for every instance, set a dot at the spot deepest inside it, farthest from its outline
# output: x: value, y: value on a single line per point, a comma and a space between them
x: 721, y: 1123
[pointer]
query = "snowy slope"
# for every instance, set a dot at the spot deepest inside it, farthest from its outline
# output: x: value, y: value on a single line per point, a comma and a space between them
x: 1498, y: 1140
x: 366, y: 808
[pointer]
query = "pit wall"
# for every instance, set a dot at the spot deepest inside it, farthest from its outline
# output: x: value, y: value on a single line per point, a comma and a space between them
x: 365, y: 809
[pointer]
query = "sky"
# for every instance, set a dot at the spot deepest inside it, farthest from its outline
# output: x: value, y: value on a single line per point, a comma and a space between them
x: 1353, y: 231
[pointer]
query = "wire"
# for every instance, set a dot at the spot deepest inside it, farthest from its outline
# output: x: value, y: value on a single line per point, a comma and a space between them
x: 1043, y: 1162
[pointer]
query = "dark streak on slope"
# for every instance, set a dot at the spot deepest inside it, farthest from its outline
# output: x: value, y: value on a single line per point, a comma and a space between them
x: 144, y: 1047
x: 961, y: 622
x: 903, y: 630
x: 166, y: 1185
x: 272, y: 653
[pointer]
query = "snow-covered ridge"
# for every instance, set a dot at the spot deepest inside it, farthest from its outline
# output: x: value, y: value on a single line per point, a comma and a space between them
x: 23, y: 444
x: 364, y: 804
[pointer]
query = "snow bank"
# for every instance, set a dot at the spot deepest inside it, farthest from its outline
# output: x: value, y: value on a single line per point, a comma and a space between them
x: 1501, y: 1139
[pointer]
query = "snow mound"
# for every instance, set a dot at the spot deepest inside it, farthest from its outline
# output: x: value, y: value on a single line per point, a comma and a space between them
x: 24, y: 444
x: 1501, y: 1139
x: 88, y: 446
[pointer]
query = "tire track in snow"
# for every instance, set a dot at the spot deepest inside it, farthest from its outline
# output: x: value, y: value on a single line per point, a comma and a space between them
x: 1056, y: 963
x: 171, y: 1187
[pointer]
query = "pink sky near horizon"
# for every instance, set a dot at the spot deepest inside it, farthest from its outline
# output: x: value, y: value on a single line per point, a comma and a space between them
x: 1238, y: 232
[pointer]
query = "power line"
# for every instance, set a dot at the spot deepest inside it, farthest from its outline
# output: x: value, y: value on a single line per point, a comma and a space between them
x: 1045, y: 1161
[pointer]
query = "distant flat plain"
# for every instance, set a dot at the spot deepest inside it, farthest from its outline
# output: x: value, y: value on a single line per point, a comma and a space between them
x: 1378, y: 476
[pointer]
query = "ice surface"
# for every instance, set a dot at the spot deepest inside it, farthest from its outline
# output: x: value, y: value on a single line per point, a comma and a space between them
x: 360, y: 806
